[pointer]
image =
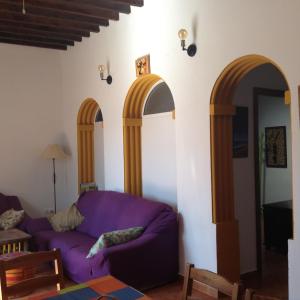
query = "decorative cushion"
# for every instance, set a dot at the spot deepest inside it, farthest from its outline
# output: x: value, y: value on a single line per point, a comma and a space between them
x: 10, y: 218
x: 66, y: 220
x: 114, y: 238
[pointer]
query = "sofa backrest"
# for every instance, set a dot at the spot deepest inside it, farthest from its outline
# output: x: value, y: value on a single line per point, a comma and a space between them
x: 105, y: 211
x: 8, y: 202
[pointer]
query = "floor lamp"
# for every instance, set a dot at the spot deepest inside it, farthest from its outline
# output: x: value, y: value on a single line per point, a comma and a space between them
x: 54, y: 152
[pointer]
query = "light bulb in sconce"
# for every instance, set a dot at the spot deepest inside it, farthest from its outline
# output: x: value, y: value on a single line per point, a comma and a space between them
x: 191, y: 49
x: 101, y: 69
x: 183, y: 34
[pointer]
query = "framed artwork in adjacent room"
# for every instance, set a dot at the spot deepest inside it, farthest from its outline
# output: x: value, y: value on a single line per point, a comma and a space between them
x: 275, y: 145
x: 240, y: 133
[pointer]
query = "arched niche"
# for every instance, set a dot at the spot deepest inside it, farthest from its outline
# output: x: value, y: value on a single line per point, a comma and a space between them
x: 89, y: 112
x: 158, y: 138
x: 221, y: 112
x: 132, y: 122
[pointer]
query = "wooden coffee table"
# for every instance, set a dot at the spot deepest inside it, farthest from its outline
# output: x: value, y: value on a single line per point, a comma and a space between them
x: 13, y: 240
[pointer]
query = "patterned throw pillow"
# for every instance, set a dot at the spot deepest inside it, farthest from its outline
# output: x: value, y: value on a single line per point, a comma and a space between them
x: 11, y: 218
x: 114, y: 238
x: 66, y: 220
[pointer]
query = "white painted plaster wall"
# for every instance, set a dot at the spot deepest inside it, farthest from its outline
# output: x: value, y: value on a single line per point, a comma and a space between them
x: 30, y: 119
x: 223, y: 31
x: 159, y: 158
x: 99, y: 155
x: 278, y: 181
x: 244, y: 178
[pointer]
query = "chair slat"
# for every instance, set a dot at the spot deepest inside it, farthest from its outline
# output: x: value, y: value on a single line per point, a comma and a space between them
x: 210, y: 279
x: 29, y: 284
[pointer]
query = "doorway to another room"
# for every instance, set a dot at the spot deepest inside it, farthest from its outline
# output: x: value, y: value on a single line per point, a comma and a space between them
x: 234, y: 194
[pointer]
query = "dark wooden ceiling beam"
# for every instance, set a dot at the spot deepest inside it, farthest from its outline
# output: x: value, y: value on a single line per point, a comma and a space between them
x: 61, y: 9
x: 33, y: 44
x: 139, y: 3
x: 32, y: 10
x: 39, y: 39
x: 104, y: 4
x: 49, y: 21
x: 44, y: 28
x: 57, y: 23
x: 29, y: 32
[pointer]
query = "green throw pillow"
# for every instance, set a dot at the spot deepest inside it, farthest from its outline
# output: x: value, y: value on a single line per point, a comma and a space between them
x: 114, y: 238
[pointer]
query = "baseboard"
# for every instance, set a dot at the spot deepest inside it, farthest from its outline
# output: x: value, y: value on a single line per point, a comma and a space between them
x: 202, y: 288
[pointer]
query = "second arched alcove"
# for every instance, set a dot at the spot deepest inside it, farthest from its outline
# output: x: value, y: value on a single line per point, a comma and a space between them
x: 159, y: 145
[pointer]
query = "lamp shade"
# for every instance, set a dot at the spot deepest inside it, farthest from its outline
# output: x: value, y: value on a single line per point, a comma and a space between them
x: 54, y: 151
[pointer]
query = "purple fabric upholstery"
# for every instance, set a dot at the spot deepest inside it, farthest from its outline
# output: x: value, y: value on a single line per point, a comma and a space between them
x: 150, y: 260
x: 124, y: 211
x: 8, y: 202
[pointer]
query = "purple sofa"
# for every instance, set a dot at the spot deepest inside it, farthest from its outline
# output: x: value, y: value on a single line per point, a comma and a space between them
x: 150, y: 260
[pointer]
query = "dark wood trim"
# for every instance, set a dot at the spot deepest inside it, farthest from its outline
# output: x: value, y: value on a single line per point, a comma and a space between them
x: 256, y: 93
x: 99, y: 9
x: 33, y: 38
x: 130, y: 2
x: 40, y: 33
x: 50, y: 21
x: 60, y: 13
x: 34, y: 44
x: 44, y: 28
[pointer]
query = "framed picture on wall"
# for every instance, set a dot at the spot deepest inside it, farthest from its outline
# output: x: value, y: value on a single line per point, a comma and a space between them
x: 240, y: 133
x: 275, y: 145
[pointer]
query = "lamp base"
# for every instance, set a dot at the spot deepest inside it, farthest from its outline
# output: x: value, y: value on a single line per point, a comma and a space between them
x: 192, y: 50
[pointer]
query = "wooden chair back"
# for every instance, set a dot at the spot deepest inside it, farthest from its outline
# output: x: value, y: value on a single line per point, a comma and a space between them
x: 210, y: 279
x: 252, y: 295
x: 29, y: 261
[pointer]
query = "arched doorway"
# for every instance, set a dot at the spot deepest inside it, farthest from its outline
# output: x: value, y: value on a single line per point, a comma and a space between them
x: 221, y: 112
x: 132, y: 122
x: 88, y: 114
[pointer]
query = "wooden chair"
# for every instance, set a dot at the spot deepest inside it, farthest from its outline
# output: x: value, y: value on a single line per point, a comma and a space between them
x: 29, y: 261
x: 211, y: 279
x: 252, y: 295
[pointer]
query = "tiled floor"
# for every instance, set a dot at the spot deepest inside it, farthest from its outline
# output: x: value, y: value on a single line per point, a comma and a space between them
x: 272, y: 282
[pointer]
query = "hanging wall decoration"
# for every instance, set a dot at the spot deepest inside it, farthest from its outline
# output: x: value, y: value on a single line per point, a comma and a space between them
x: 276, y: 154
x: 142, y: 65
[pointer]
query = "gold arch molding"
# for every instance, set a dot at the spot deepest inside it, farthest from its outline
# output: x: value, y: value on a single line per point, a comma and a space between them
x: 132, y: 122
x: 85, y: 140
x: 221, y: 112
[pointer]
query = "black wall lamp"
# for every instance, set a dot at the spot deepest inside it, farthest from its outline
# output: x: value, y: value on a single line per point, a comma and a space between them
x: 191, y: 49
x: 101, y: 69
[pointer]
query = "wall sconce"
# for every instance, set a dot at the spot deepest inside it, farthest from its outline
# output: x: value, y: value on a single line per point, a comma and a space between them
x: 101, y: 69
x: 191, y: 49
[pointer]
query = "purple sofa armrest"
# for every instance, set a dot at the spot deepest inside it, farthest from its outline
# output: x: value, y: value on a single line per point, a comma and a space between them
x: 35, y: 225
x: 151, y: 258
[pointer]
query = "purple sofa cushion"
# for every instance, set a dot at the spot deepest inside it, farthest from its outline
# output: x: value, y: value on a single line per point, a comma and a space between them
x: 106, y: 211
x: 65, y: 241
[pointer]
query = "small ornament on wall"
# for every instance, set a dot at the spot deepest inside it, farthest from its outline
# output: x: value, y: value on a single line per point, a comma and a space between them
x: 142, y: 65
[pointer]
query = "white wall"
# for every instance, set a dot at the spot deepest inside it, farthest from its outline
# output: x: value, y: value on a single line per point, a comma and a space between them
x: 244, y: 178
x: 99, y: 155
x: 159, y: 158
x: 223, y: 31
x: 30, y: 119
x: 278, y: 181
